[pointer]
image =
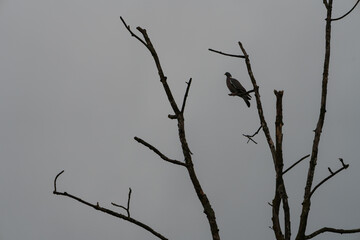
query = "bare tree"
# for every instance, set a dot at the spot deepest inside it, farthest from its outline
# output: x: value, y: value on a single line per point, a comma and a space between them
x: 280, y: 195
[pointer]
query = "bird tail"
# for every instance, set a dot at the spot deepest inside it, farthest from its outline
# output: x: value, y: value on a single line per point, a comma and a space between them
x: 247, y: 102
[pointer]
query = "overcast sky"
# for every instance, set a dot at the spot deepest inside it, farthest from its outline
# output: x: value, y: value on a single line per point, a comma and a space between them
x: 76, y: 88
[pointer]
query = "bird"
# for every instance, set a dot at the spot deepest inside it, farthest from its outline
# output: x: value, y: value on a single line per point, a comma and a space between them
x: 237, y: 89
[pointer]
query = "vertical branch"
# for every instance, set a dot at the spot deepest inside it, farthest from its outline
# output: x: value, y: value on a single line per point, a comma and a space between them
x: 313, y: 160
x: 280, y: 190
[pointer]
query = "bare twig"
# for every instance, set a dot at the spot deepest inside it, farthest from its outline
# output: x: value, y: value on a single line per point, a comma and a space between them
x: 186, y: 95
x: 333, y: 230
x: 251, y: 136
x: 128, y: 204
x: 332, y: 174
x: 108, y: 211
x: 131, y: 32
x: 335, y: 19
x: 56, y: 179
x: 226, y: 54
x: 297, y: 162
x: 158, y: 152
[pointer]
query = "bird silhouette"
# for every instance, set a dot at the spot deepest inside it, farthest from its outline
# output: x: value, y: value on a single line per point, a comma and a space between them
x: 236, y: 88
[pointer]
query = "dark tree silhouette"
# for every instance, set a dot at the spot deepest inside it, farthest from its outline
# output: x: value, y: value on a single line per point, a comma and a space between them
x: 275, y: 146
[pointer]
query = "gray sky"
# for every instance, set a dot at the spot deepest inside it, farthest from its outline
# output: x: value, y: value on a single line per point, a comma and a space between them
x: 76, y: 88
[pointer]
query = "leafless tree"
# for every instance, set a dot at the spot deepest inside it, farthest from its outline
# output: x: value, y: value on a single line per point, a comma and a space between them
x: 280, y: 195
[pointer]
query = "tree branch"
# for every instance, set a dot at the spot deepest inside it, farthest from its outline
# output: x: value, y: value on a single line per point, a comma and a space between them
x: 251, y: 136
x: 332, y: 174
x: 107, y: 211
x: 208, y: 210
x: 259, y: 105
x: 333, y: 230
x: 151, y: 49
x: 186, y: 95
x: 131, y: 32
x: 313, y: 159
x: 297, y: 162
x: 226, y: 54
x: 128, y: 204
x: 162, y: 156
x: 281, y: 190
x: 335, y: 19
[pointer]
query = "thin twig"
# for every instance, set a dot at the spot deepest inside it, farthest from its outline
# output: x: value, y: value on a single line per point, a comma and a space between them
x: 251, y: 136
x: 162, y: 156
x: 57, y: 178
x: 332, y: 174
x: 127, y: 209
x: 108, y: 211
x: 186, y: 95
x: 333, y: 230
x: 226, y: 54
x: 335, y: 19
x: 131, y: 32
x: 297, y: 162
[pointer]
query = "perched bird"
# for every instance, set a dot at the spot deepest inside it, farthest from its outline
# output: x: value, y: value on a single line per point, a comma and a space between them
x: 237, y: 89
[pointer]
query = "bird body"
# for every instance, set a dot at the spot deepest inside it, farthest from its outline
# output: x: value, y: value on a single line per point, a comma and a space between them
x: 237, y: 89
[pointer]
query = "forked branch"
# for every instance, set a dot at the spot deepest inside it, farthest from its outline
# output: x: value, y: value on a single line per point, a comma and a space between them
x: 251, y: 136
x: 179, y: 116
x: 332, y: 174
x: 127, y: 209
x: 106, y: 210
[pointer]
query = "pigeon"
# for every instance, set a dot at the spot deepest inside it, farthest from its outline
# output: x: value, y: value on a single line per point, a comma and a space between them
x: 236, y: 88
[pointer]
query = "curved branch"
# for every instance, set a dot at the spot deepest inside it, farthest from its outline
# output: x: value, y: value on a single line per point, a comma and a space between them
x: 333, y: 230
x: 226, y: 54
x: 108, y: 211
x: 158, y: 152
x: 55, y: 180
x: 332, y: 174
x: 335, y: 19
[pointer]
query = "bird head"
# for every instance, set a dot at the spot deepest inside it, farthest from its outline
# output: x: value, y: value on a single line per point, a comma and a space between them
x: 227, y: 74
